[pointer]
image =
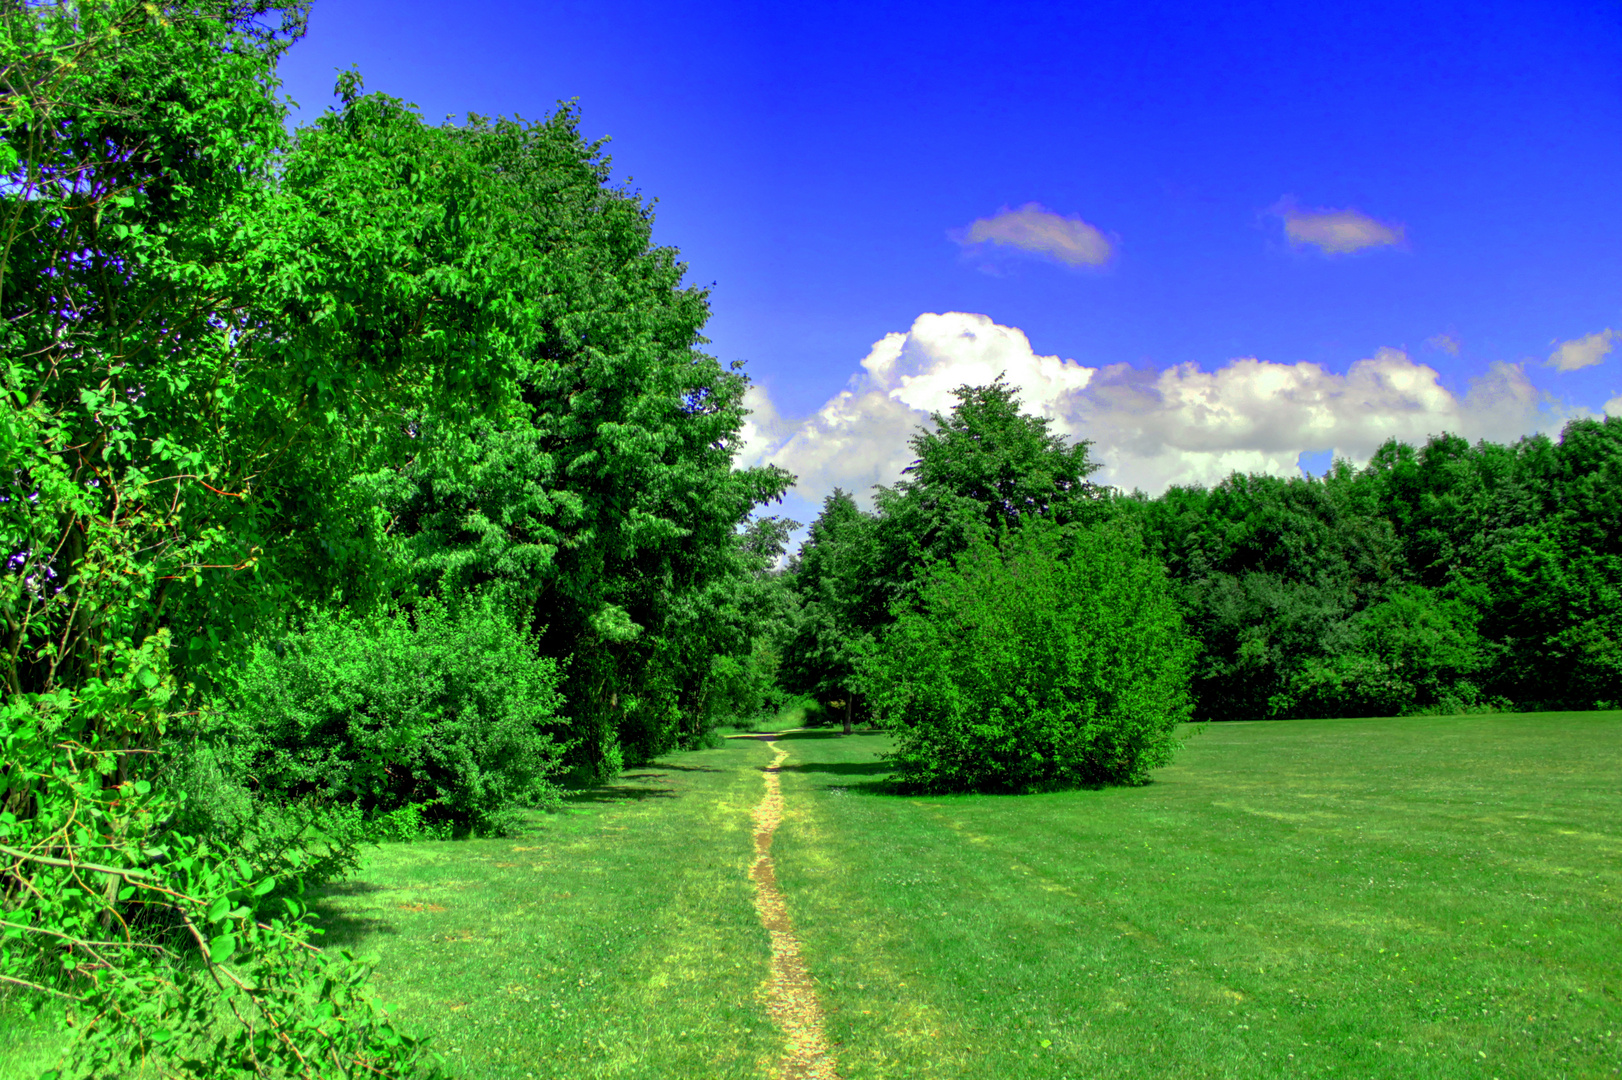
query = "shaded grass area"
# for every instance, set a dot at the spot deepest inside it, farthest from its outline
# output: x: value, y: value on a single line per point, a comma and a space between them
x: 617, y: 938
x: 1423, y: 897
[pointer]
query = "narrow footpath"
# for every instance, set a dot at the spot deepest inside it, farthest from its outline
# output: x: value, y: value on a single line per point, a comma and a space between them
x: 791, y: 999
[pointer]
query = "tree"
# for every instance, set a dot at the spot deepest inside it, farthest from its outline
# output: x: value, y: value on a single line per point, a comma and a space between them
x: 1054, y: 659
x: 985, y: 466
x: 190, y: 348
x: 834, y: 626
x: 597, y: 493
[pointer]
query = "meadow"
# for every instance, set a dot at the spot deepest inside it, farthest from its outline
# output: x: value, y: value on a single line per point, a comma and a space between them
x: 1418, y: 897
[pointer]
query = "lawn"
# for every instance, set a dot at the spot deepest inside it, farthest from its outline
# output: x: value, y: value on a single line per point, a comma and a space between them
x: 1347, y: 898
x: 1430, y: 897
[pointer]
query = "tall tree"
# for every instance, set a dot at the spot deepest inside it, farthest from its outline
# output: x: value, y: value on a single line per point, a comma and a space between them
x: 599, y: 495
x: 982, y: 468
x: 832, y: 576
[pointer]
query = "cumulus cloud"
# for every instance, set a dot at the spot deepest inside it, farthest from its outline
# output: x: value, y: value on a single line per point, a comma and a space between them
x: 1336, y: 232
x: 1614, y: 406
x: 859, y: 437
x: 1581, y: 352
x: 1151, y: 429
x: 1035, y: 229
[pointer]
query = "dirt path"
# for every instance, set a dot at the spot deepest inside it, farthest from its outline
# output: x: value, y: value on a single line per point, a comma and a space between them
x: 791, y: 999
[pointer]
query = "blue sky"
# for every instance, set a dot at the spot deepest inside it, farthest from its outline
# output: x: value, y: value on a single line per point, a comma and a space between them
x: 1207, y: 239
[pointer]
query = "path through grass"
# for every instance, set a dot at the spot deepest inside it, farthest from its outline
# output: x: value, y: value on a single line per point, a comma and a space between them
x: 1350, y: 898
x: 1357, y: 899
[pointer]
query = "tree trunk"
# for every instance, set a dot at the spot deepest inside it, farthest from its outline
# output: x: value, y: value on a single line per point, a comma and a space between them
x: 849, y: 700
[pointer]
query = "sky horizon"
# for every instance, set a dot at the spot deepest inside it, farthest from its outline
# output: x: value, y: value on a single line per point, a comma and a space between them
x: 1244, y: 238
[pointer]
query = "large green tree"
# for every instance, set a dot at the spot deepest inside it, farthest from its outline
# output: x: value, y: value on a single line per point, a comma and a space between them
x: 599, y: 494
x: 983, y: 467
x: 250, y: 377
x: 1055, y: 658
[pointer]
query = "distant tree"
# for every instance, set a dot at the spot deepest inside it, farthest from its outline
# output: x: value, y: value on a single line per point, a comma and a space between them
x: 981, y: 468
x: 832, y: 577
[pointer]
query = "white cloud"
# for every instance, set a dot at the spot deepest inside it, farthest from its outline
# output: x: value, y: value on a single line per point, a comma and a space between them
x: 1150, y: 429
x: 1614, y: 406
x: 1336, y: 232
x: 1581, y: 352
x: 1040, y: 231
x: 1447, y: 342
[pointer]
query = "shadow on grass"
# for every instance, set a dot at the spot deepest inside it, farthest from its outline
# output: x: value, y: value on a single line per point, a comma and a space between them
x: 843, y: 768
x: 881, y: 786
x: 343, y: 929
x: 683, y: 768
x: 617, y: 793
x: 830, y: 733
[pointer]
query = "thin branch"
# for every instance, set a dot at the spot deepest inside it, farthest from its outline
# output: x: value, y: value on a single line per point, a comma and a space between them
x: 71, y: 865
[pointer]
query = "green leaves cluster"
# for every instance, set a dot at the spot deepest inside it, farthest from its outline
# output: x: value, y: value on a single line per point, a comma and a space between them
x: 1439, y: 579
x: 159, y: 946
x: 1055, y: 659
x: 450, y: 710
x: 989, y: 613
x: 1442, y: 578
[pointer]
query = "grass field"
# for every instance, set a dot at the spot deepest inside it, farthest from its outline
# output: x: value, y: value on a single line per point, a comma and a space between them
x: 1431, y: 897
x: 1362, y: 898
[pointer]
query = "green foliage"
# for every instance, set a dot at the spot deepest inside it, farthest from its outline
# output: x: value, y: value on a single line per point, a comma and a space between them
x: 249, y: 378
x: 448, y: 709
x: 161, y: 947
x: 596, y: 492
x: 1446, y: 577
x: 981, y: 468
x: 987, y: 466
x: 1058, y: 659
x: 826, y: 638
x: 1413, y: 652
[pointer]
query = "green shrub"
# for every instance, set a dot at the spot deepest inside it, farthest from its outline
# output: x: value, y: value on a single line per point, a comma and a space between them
x: 165, y: 951
x: 1058, y: 660
x: 445, y: 709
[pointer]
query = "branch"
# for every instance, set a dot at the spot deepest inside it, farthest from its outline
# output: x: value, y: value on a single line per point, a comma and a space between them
x: 71, y: 865
x: 41, y: 989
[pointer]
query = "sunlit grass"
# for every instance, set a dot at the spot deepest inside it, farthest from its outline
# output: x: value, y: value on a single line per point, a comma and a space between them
x: 1432, y: 897
x: 618, y: 938
x: 1354, y: 898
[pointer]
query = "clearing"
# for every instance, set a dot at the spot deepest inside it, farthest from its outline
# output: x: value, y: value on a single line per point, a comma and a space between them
x: 1422, y: 897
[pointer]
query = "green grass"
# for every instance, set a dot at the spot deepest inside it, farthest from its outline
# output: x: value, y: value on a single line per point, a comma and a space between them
x: 618, y: 939
x: 1355, y: 898
x: 1434, y: 897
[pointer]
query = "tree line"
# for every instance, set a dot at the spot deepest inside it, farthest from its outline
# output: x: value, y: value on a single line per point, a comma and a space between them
x: 1445, y: 578
x: 358, y: 481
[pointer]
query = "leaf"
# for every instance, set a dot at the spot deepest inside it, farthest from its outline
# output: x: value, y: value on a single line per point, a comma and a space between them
x: 218, y: 909
x: 221, y: 948
x: 264, y: 886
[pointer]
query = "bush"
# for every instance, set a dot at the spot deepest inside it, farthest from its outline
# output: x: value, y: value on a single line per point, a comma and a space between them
x: 164, y: 951
x: 448, y: 709
x: 1058, y: 660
